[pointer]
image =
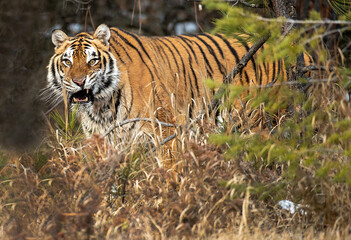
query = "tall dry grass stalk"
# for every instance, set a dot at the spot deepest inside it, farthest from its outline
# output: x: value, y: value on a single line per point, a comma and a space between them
x: 90, y: 189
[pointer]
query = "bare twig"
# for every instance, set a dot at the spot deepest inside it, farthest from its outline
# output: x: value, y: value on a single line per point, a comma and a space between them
x: 316, y: 68
x: 324, y: 80
x: 251, y: 5
x: 338, y: 30
x: 82, y: 2
x: 91, y: 18
x: 138, y: 120
x: 293, y: 21
x: 196, y: 18
x: 346, y: 47
x: 246, y: 4
x: 163, y: 142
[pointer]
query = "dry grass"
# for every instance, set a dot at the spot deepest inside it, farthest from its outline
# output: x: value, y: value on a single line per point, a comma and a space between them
x: 90, y: 190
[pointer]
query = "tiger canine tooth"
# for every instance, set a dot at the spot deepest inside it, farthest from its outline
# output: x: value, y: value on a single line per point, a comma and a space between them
x: 80, y: 100
x: 87, y: 90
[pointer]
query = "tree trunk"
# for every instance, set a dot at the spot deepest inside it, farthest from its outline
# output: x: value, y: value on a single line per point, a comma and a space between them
x: 287, y: 9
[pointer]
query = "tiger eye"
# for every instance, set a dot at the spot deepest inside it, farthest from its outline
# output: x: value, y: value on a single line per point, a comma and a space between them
x: 67, y: 62
x: 93, y: 62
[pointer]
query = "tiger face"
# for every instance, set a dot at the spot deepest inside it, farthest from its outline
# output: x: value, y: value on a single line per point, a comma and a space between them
x: 83, y: 67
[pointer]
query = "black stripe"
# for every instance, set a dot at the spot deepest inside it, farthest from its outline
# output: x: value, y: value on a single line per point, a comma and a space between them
x: 252, y: 59
x: 192, y: 70
x: 132, y: 46
x: 99, y: 55
x: 205, y: 58
x: 266, y: 70
x: 185, y: 40
x: 159, y: 39
x: 309, y: 58
x: 247, y: 78
x: 125, y: 51
x: 273, y: 75
x: 260, y: 74
x: 140, y: 44
x: 83, y: 34
x: 132, y: 126
x: 128, y: 43
x: 131, y: 104
x: 89, y: 42
x: 233, y: 51
x: 104, y: 61
x: 191, y: 89
x: 114, y: 40
x: 180, y: 56
x: 107, y: 83
x: 111, y: 65
x: 118, y: 101
x: 57, y: 67
x: 53, y: 71
x: 214, y: 42
x: 213, y: 53
x: 162, y: 52
x: 118, y: 55
x: 161, y: 82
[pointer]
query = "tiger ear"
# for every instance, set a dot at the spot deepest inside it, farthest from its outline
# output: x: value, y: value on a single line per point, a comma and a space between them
x: 103, y: 34
x: 58, y: 37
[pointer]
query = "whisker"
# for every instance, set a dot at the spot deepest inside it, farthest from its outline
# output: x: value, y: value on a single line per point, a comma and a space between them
x: 52, y: 108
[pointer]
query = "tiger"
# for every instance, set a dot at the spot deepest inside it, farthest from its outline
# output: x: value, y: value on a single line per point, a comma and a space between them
x: 112, y: 75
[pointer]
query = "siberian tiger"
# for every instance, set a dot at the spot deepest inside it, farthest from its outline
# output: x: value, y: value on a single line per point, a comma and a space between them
x: 113, y: 75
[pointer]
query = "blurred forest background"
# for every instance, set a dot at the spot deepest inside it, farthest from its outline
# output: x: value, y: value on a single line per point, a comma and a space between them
x: 25, y: 46
x: 232, y: 176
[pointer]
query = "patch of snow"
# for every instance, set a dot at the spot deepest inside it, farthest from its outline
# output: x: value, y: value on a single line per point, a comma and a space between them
x: 185, y: 27
x: 75, y: 28
x: 292, y: 207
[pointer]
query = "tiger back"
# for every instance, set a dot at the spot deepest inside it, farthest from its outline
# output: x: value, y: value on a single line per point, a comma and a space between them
x: 113, y: 75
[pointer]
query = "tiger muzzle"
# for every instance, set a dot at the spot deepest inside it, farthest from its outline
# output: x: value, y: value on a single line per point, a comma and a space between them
x: 80, y: 82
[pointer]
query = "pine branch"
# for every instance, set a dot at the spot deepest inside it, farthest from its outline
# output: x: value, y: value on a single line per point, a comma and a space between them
x: 324, y: 80
x: 316, y: 68
x: 237, y: 69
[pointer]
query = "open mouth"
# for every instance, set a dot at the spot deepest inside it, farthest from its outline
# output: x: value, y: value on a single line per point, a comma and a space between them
x: 83, y: 96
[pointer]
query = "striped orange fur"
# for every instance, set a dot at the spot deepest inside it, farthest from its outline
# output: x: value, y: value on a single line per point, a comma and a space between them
x: 113, y: 75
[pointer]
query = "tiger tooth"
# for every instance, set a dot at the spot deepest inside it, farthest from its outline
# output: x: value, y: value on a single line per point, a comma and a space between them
x: 75, y: 99
x: 86, y: 99
x: 87, y: 90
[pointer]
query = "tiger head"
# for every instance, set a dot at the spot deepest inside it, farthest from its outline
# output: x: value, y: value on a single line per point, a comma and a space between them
x: 83, y: 67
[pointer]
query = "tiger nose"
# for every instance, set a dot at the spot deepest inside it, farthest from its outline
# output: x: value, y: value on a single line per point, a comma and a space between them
x: 79, y: 82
